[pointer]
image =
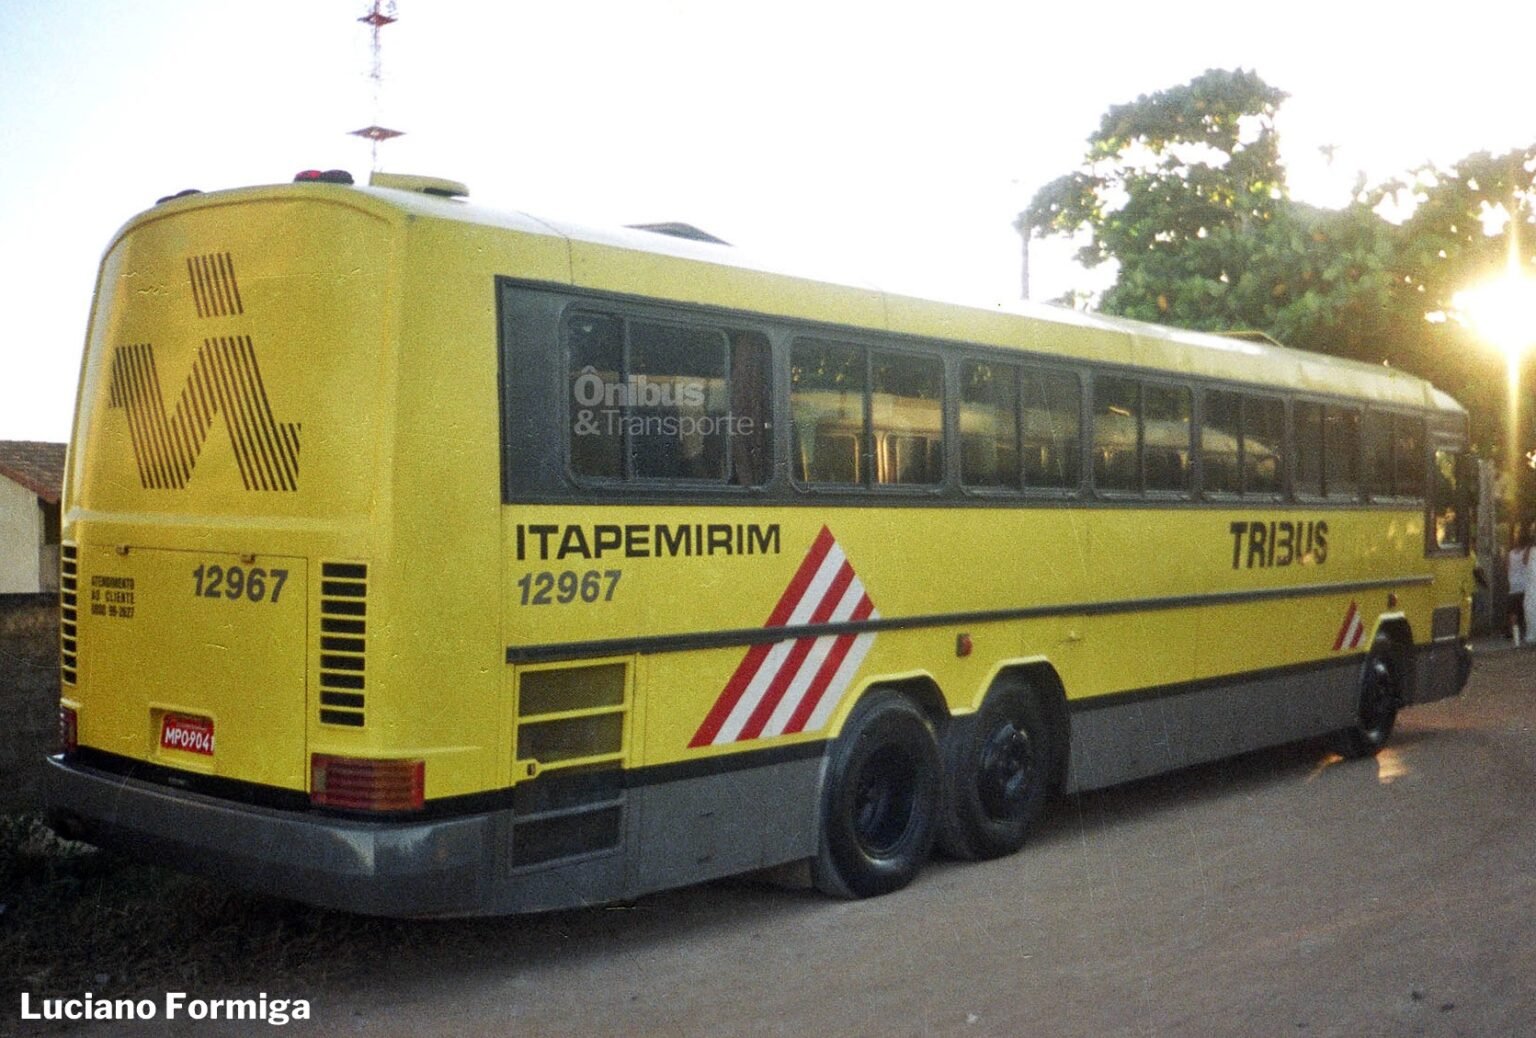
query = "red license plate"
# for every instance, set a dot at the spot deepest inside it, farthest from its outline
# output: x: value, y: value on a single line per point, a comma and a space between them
x: 186, y: 733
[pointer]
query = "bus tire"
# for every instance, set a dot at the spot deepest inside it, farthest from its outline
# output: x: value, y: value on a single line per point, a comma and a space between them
x: 999, y: 774
x: 880, y: 799
x: 1380, y: 697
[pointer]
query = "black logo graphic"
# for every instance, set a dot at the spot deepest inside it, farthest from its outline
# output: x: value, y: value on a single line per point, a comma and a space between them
x: 225, y: 381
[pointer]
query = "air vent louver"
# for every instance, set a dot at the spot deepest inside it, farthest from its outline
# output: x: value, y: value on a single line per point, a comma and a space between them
x: 569, y: 716
x: 69, y: 615
x: 343, y: 642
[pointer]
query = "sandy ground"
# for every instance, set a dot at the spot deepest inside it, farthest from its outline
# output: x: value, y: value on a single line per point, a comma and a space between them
x: 1282, y: 893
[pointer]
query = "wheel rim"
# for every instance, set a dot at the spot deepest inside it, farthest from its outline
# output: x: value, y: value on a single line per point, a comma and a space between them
x: 1004, y: 777
x: 1378, y: 701
x: 884, y: 799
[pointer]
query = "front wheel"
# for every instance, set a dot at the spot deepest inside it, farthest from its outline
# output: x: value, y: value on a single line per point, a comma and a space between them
x: 880, y: 799
x: 1380, y: 697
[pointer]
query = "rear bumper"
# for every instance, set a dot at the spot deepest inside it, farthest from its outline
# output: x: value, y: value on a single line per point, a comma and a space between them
x: 429, y: 868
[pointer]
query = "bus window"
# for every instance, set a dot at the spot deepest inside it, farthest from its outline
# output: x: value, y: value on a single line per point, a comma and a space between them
x: 677, y: 402
x: 1166, y: 436
x: 1376, y: 434
x: 749, y: 417
x: 1308, y: 419
x: 1116, y: 434
x: 1394, y: 454
x: 1240, y: 442
x: 1407, y: 456
x: 1341, y: 452
x: 907, y: 418
x: 652, y: 401
x: 1263, y: 435
x: 827, y: 411
x: 1221, y: 437
x: 1450, y: 501
x: 989, y: 425
x: 595, y: 346
x: 1052, y: 405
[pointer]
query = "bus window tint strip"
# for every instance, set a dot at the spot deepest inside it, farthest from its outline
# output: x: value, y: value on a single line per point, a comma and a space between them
x: 676, y: 399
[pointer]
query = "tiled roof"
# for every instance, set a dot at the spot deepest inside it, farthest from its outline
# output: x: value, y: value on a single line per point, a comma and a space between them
x: 37, y: 466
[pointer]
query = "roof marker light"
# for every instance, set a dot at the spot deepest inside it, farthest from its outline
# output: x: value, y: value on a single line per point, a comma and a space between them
x: 329, y: 176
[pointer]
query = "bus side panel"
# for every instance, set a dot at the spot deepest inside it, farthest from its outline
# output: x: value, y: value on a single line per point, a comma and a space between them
x: 692, y: 829
x: 1119, y: 738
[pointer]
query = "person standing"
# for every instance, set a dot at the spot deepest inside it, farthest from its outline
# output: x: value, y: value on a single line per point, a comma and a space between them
x: 1519, y: 562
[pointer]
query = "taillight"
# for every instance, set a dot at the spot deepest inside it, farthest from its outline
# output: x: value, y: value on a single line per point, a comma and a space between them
x: 361, y: 784
x: 69, y: 730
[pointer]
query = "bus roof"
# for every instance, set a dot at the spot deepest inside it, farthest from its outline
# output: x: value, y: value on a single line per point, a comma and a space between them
x: 701, y: 272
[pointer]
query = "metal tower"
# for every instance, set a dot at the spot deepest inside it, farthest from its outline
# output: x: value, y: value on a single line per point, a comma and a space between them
x: 380, y: 14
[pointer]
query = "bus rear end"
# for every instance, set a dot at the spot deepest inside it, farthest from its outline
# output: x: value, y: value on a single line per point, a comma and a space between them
x: 221, y: 504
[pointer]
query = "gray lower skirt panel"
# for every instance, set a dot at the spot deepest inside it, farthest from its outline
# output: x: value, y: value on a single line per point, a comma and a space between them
x: 1144, y: 735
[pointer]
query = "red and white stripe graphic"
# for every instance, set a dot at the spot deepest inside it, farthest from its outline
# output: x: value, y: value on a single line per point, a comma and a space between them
x: 794, y: 685
x: 1352, y: 631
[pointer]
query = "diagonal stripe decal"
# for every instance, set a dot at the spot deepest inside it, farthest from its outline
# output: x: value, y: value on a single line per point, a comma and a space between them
x: 1352, y: 630
x: 794, y: 685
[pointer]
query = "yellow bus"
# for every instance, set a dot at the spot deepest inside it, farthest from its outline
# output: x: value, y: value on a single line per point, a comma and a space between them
x: 425, y: 560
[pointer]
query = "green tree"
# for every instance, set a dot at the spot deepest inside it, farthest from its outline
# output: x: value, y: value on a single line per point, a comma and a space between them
x: 1176, y: 187
x: 1185, y: 192
x: 1468, y: 221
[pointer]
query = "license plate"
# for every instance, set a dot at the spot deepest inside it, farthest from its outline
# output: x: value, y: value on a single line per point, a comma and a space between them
x: 187, y: 734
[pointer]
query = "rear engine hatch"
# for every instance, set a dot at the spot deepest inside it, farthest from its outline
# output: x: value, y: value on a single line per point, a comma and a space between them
x: 198, y: 661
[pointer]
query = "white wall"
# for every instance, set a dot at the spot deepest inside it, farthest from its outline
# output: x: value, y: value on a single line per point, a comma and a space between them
x: 21, y: 539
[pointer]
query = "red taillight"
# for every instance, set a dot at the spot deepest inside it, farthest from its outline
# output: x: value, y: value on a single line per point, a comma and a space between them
x: 69, y: 730
x: 322, y: 176
x: 360, y: 784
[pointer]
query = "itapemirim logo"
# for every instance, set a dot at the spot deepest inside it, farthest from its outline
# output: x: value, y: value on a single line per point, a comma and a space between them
x: 226, y: 381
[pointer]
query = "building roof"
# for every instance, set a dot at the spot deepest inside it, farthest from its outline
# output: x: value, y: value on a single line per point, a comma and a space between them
x: 37, y: 466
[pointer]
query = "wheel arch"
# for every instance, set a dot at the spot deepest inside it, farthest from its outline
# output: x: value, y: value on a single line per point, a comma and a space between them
x: 1400, y: 633
x: 919, y: 686
x: 1038, y: 676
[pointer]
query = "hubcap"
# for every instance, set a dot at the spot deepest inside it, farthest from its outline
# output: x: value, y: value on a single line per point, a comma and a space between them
x: 1004, y: 776
x: 1378, y: 705
x: 883, y: 801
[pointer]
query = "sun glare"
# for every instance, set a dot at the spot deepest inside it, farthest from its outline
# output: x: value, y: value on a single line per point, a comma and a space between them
x: 1502, y: 311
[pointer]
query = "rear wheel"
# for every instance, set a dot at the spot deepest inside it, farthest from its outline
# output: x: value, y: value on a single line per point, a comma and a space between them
x: 880, y: 800
x: 998, y: 776
x: 1380, y: 697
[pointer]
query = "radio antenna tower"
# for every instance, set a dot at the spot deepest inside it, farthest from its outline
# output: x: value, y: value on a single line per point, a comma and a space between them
x: 378, y: 16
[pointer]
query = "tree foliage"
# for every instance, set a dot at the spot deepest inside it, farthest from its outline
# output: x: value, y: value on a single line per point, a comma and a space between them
x: 1184, y: 190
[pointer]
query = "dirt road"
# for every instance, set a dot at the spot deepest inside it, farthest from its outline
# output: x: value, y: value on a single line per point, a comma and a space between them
x: 1284, y: 893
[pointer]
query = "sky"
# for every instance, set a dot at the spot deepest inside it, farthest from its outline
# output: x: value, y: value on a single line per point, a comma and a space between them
x: 892, y: 142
